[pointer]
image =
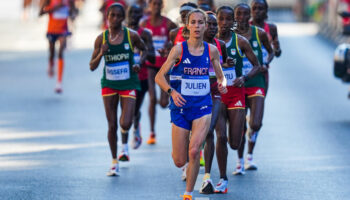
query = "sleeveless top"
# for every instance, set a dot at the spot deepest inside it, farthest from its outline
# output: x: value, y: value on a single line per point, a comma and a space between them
x: 143, y: 75
x: 58, y: 20
x: 160, y: 36
x: 179, y: 38
x: 211, y: 68
x: 258, y: 80
x: 234, y: 52
x: 190, y: 77
x: 117, y: 72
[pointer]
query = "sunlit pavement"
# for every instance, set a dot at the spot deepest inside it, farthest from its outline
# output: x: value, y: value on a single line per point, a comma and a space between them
x: 55, y: 146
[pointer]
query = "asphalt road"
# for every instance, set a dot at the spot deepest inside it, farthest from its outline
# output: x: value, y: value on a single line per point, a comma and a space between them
x: 55, y: 146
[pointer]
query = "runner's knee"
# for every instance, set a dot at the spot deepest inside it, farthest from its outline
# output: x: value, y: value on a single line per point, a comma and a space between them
x: 193, y: 152
x: 221, y: 139
x: 255, y: 126
x: 179, y: 162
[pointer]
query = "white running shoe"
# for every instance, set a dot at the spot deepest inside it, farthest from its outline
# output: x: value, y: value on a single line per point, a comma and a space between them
x: 184, y: 171
x: 124, y: 156
x: 239, y: 169
x: 221, y: 187
x: 114, y: 170
x: 58, y: 88
x: 249, y: 164
x: 207, y: 187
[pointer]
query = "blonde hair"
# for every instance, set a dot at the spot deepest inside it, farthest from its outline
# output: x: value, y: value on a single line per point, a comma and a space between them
x: 185, y: 31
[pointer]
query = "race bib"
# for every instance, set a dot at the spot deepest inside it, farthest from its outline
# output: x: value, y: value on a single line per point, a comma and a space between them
x: 61, y: 13
x: 158, y: 43
x: 195, y: 85
x: 137, y: 58
x: 247, y: 66
x: 265, y: 54
x: 230, y: 75
x: 118, y: 71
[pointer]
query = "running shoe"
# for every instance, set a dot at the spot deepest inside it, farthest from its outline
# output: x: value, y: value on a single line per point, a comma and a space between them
x: 221, y: 187
x: 136, y: 143
x: 124, y: 156
x: 184, y: 171
x: 207, y: 187
x: 152, y: 139
x: 239, y: 169
x: 187, y: 197
x: 249, y: 164
x: 50, y: 71
x: 114, y: 170
x: 201, y: 160
x: 58, y: 88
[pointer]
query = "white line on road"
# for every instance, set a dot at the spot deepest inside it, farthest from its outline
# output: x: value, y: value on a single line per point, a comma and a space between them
x: 201, y: 198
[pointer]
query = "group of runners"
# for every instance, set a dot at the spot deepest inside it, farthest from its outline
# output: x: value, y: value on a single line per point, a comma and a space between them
x: 212, y: 72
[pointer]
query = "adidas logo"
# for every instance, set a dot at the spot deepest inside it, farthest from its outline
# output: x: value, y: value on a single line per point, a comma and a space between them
x: 132, y: 93
x: 259, y: 92
x: 187, y: 61
x: 239, y: 103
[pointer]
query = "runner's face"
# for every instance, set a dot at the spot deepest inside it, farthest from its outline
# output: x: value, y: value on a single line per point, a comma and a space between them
x: 225, y: 20
x: 183, y: 16
x: 156, y: 6
x: 242, y: 15
x: 212, y: 29
x: 115, y: 17
x: 134, y: 15
x: 196, y: 25
x: 258, y: 10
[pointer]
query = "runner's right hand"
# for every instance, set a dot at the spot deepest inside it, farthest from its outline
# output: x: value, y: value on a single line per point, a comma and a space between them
x: 178, y: 99
x: 230, y: 61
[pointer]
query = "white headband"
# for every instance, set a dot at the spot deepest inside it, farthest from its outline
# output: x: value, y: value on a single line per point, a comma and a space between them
x: 186, y: 8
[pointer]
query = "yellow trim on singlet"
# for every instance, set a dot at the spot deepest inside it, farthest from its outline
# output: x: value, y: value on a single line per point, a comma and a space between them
x: 104, y: 37
x: 129, y: 39
x: 238, y: 49
x: 257, y: 36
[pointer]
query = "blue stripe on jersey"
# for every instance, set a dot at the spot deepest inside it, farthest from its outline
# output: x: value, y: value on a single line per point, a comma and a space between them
x: 191, y: 78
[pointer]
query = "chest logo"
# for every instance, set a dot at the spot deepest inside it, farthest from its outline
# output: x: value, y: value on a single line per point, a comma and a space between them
x: 233, y: 52
x: 126, y: 46
x: 187, y: 61
x: 255, y: 44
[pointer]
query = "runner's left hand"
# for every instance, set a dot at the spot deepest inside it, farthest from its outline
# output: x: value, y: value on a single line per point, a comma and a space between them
x: 136, y: 68
x: 230, y: 61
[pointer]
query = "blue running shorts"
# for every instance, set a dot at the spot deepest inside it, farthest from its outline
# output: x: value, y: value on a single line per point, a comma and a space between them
x: 183, y: 117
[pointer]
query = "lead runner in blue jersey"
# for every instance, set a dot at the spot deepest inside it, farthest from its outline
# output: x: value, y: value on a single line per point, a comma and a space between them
x: 189, y: 88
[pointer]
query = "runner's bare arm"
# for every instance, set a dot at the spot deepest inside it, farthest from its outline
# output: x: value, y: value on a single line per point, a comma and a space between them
x: 265, y: 41
x: 138, y: 43
x: 174, y: 55
x: 215, y: 60
x: 275, y: 40
x: 147, y: 38
x: 247, y: 50
x: 97, y: 54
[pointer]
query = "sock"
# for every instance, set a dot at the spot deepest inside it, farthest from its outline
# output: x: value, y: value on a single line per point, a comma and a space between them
x: 125, y: 147
x: 60, y: 70
x: 114, y: 161
x: 206, y: 176
x: 125, y: 136
x: 241, y: 161
x: 188, y: 193
x: 224, y: 177
x: 250, y: 156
